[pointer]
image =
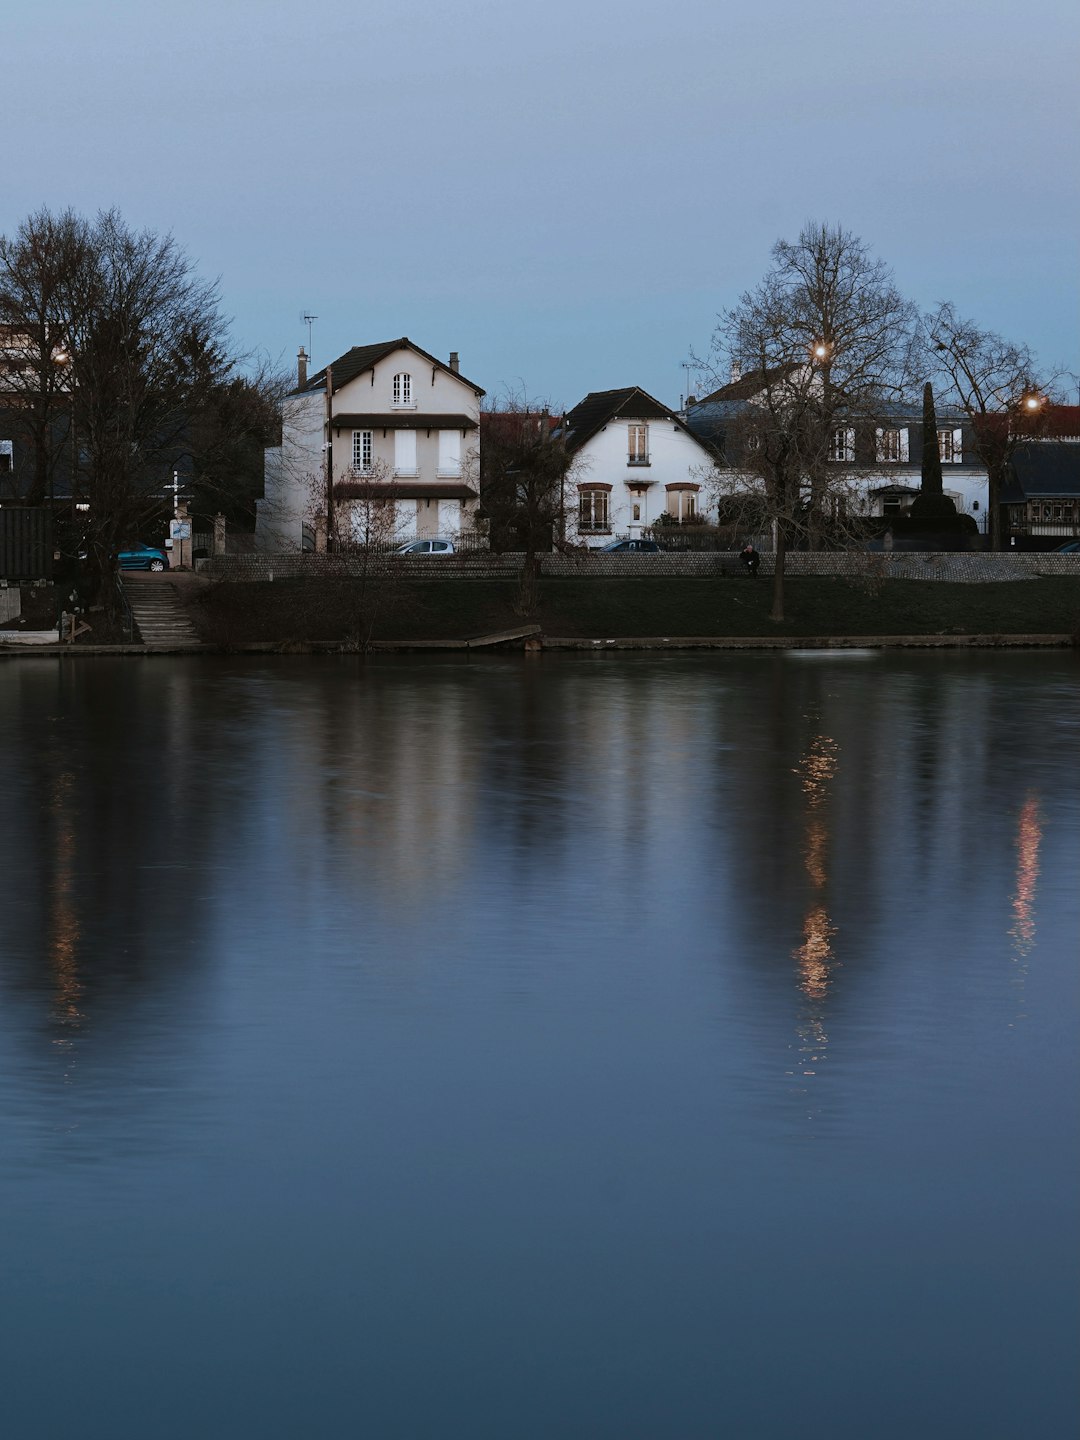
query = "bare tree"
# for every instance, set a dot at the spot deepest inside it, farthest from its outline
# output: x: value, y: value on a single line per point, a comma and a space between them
x: 998, y: 387
x: 36, y: 266
x: 121, y: 336
x: 819, y: 345
x: 524, y: 466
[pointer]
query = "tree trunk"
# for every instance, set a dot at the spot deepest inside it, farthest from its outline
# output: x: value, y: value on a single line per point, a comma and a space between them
x: 527, y: 586
x: 995, y: 477
x: 777, y: 611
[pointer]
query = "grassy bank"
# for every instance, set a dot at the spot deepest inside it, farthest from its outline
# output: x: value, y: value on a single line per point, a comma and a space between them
x: 294, y: 612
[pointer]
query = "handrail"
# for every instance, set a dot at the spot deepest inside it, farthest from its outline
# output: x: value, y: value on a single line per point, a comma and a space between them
x: 125, y: 607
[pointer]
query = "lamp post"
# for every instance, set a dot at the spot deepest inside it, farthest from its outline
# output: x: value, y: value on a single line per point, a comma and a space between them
x: 66, y: 360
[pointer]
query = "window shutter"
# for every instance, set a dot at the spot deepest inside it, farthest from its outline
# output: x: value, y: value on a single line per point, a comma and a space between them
x: 879, y: 444
x: 849, y: 444
x: 958, y: 447
x: 405, y: 452
x: 905, y: 453
x: 449, y: 452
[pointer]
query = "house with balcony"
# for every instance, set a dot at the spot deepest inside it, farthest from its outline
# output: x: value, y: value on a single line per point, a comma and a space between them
x: 633, y: 460
x: 385, y: 428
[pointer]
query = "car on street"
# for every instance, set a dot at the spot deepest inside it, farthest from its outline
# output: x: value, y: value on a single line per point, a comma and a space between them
x: 1071, y: 548
x: 635, y: 547
x: 142, y: 557
x: 426, y: 547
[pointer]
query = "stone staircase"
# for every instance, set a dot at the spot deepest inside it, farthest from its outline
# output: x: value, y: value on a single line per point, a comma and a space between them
x: 159, y: 613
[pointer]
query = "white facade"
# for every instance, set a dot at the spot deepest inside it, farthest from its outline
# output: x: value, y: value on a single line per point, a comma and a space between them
x: 630, y: 472
x: 399, y: 424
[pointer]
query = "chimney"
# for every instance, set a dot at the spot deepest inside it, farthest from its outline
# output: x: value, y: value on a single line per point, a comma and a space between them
x: 455, y: 365
x: 691, y: 400
x: 301, y: 368
x: 736, y: 371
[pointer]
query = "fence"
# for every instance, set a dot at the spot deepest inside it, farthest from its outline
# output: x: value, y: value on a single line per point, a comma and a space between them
x: 26, y: 543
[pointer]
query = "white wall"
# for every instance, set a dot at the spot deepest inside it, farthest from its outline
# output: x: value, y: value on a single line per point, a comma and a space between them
x: 674, y: 457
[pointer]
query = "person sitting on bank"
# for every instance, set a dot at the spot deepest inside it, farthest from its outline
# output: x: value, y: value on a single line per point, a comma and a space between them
x: 750, y: 558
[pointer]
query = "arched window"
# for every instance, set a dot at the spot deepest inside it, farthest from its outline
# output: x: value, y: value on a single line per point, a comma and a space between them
x: 403, y: 388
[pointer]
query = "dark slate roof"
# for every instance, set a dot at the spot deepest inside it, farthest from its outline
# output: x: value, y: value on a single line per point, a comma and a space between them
x: 362, y: 358
x: 401, y: 420
x: 1044, y: 469
x: 750, y: 384
x: 602, y: 406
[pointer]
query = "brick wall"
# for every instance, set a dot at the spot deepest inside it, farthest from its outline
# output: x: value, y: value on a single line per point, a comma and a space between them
x: 968, y: 568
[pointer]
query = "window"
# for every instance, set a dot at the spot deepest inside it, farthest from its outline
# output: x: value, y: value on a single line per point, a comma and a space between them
x: 637, y: 512
x: 682, y: 501
x: 593, y: 510
x: 403, y: 389
x: 892, y: 447
x: 951, y: 447
x: 449, y: 452
x: 842, y: 445
x: 637, y: 445
x: 361, y: 450
x: 404, y: 452
x: 7, y: 456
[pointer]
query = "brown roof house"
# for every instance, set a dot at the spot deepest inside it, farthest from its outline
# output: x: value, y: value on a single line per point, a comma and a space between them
x: 381, y: 444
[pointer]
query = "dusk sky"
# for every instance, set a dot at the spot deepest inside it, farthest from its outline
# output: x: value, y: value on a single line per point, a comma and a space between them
x: 567, y: 195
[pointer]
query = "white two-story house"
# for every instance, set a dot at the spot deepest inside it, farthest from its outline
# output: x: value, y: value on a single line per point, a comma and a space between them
x: 387, y: 424
x: 634, y: 461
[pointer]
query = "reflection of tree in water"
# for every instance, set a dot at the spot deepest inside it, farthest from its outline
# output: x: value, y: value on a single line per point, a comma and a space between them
x: 814, y: 956
x: 1022, y: 930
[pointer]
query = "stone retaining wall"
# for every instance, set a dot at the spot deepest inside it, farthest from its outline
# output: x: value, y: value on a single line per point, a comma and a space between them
x: 970, y: 568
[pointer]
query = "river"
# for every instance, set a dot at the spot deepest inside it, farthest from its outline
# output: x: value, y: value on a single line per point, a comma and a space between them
x: 594, y: 1046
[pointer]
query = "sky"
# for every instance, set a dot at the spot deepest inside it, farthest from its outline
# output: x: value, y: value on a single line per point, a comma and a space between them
x: 568, y: 196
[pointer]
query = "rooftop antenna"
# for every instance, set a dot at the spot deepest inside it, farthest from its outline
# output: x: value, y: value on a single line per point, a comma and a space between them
x: 308, y: 320
x: 687, y: 366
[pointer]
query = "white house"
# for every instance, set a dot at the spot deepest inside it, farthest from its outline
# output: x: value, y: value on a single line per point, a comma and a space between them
x: 385, y: 423
x: 878, y: 461
x: 634, y: 460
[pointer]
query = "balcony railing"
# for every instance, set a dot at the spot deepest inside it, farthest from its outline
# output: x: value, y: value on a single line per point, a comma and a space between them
x: 638, y: 460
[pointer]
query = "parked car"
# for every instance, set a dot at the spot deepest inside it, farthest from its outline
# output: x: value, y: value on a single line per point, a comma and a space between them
x: 426, y: 547
x: 638, y: 547
x: 1071, y: 548
x: 142, y: 557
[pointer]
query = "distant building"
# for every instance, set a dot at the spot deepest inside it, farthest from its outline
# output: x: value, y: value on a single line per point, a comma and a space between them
x: 1042, y: 493
x: 394, y: 423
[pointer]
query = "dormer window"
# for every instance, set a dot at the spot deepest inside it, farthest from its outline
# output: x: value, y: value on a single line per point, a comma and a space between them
x: 403, y: 389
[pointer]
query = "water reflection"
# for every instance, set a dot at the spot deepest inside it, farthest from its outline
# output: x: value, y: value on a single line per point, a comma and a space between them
x: 816, y: 771
x: 449, y: 1007
x: 1028, y: 840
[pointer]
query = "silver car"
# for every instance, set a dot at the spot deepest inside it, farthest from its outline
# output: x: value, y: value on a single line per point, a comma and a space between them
x: 427, y: 547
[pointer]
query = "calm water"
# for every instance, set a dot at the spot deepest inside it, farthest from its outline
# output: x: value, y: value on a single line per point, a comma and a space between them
x: 595, y: 1047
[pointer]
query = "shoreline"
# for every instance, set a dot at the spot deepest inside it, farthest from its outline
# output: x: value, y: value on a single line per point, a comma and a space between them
x: 535, y: 642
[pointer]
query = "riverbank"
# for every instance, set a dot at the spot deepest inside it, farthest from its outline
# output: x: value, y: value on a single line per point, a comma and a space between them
x: 294, y: 613
x: 625, y: 613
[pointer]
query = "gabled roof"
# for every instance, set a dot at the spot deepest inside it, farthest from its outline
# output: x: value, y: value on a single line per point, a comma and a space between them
x: 600, y: 407
x: 1044, y: 469
x: 362, y: 358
